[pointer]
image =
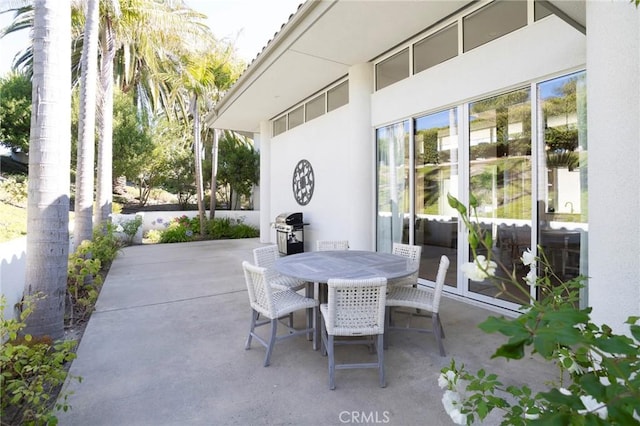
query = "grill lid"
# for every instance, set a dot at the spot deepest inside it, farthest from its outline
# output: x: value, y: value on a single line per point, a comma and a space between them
x: 289, y: 218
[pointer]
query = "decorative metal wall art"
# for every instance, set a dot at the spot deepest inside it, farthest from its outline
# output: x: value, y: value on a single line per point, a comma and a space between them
x: 303, y: 182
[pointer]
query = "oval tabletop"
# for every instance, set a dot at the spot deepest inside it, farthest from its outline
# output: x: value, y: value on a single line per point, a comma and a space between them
x: 320, y: 266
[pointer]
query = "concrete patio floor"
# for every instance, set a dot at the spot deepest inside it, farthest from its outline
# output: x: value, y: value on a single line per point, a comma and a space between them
x: 165, y: 346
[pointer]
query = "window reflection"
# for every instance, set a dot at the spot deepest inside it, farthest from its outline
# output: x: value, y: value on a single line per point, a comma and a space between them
x: 436, y: 171
x: 393, y: 185
x: 562, y: 193
x: 500, y: 178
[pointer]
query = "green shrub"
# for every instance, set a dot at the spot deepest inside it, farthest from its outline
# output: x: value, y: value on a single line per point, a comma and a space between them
x: 154, y: 236
x: 83, y: 284
x: 220, y: 228
x: 242, y: 230
x: 104, y: 246
x: 129, y: 228
x: 14, y: 190
x: 32, y: 371
x: 176, y: 233
x: 192, y: 224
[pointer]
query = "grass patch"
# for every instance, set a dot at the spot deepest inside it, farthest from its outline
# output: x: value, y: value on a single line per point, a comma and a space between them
x: 13, y: 222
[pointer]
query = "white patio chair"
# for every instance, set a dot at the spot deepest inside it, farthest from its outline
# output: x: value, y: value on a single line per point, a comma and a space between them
x: 325, y: 245
x: 426, y: 299
x: 413, y: 253
x: 274, y: 305
x: 265, y: 257
x: 354, y: 308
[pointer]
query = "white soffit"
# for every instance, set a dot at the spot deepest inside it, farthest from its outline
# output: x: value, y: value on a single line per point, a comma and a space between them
x: 316, y: 47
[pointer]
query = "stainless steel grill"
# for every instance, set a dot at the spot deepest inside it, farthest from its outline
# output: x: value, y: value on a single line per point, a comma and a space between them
x: 290, y: 233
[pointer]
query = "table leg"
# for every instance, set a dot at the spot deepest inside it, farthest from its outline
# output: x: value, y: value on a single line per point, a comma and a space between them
x: 317, y: 319
x: 308, y: 292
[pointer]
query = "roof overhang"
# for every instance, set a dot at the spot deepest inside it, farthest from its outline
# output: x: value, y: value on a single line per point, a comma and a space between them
x: 319, y: 44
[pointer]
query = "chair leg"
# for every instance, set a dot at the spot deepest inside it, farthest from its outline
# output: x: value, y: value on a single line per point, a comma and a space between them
x: 272, y: 341
x: 323, y: 339
x: 380, y: 348
x: 332, y: 363
x: 314, y: 325
x: 252, y: 327
x: 437, y: 332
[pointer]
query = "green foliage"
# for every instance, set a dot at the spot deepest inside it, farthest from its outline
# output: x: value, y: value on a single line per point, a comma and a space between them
x: 131, y: 137
x: 31, y: 372
x: 242, y: 230
x: 129, y: 228
x: 183, y: 229
x: 104, y: 246
x: 164, y: 165
x: 83, y: 283
x: 238, y: 166
x: 15, y: 111
x: 602, y: 367
x: 176, y: 233
x: 154, y: 236
x: 14, y: 190
x: 220, y: 228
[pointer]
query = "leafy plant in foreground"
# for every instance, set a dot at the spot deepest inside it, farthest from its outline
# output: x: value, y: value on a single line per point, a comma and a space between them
x: 600, y: 368
x: 32, y: 370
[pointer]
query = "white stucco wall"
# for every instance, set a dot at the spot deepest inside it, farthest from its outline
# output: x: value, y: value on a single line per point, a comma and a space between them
x: 613, y: 94
x: 323, y: 142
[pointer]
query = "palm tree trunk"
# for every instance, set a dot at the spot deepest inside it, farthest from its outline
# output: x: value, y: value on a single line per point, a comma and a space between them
x: 198, y: 160
x: 49, y: 164
x: 83, y: 223
x: 214, y: 174
x: 104, y: 184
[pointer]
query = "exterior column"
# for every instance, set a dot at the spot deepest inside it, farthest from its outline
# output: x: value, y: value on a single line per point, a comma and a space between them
x: 263, y: 145
x: 361, y: 154
x: 613, y: 125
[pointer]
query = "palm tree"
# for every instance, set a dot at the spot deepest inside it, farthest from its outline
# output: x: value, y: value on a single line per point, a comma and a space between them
x: 83, y: 223
x: 104, y: 177
x: 49, y: 163
x: 137, y: 38
x: 201, y: 77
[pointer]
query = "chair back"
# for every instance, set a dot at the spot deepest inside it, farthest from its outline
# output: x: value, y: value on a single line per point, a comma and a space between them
x: 260, y: 292
x: 437, y: 291
x: 356, y: 307
x: 325, y: 245
x: 406, y: 250
x: 413, y: 253
x: 265, y: 257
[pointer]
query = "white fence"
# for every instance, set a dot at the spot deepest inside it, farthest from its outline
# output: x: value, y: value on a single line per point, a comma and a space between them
x: 13, y: 253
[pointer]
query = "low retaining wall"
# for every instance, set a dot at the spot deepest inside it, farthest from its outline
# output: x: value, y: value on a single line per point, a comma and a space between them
x: 13, y: 254
x: 13, y: 261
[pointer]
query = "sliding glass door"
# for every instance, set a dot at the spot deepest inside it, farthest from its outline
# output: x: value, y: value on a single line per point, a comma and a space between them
x: 522, y: 154
x: 500, y: 178
x: 562, y: 190
x: 436, y: 174
x: 393, y: 185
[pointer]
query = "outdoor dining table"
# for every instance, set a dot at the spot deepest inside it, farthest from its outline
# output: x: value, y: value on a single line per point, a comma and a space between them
x: 318, y: 267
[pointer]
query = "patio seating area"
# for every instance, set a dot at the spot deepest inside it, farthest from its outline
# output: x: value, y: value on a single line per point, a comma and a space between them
x: 166, y: 346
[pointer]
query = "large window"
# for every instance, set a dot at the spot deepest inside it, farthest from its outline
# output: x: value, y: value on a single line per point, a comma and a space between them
x: 527, y: 172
